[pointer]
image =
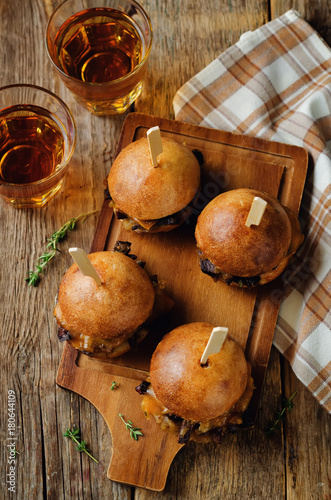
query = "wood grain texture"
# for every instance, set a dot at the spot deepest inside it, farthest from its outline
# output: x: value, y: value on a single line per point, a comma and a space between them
x: 295, y: 463
x: 317, y: 13
x: 187, y: 38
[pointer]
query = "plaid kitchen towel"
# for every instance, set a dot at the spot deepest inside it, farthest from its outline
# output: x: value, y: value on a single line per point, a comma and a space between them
x: 275, y: 83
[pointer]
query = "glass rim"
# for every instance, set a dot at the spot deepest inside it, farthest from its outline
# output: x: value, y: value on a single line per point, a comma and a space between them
x: 71, y: 149
x: 110, y: 82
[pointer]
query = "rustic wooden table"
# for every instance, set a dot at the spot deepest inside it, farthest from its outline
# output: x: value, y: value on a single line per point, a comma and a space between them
x: 296, y: 462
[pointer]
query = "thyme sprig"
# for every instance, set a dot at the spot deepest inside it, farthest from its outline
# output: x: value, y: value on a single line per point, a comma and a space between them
x: 34, y: 277
x: 287, y: 405
x: 114, y: 385
x: 74, y: 434
x: 135, y: 432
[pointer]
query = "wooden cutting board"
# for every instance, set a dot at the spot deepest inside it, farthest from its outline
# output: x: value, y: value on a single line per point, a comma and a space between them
x: 230, y: 161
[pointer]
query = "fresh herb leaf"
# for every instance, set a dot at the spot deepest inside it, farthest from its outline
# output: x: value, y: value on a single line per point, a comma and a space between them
x: 135, y: 432
x: 287, y: 405
x: 74, y: 434
x: 114, y: 385
x: 33, y: 278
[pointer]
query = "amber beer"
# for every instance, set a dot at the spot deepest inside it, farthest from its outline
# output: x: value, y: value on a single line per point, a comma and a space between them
x: 98, y: 45
x: 31, y: 144
x: 37, y: 141
x: 101, y: 52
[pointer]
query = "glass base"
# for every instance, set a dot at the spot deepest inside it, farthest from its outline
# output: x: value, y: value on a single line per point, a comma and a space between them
x: 33, y: 202
x: 111, y: 107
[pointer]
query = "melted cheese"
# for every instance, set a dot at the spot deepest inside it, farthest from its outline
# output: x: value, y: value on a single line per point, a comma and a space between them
x: 95, y: 345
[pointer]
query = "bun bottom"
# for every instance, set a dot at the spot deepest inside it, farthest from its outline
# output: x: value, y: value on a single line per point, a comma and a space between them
x: 103, y: 350
x: 137, y: 226
x: 162, y: 225
x: 207, y: 267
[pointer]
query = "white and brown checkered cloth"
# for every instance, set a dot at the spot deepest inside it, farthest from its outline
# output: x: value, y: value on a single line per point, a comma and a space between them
x: 275, y: 83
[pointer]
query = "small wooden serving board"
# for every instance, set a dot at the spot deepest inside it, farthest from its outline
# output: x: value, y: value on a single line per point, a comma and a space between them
x: 230, y: 161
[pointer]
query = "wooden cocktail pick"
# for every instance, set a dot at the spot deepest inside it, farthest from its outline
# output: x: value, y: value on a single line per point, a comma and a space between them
x: 155, y: 143
x: 215, y: 342
x: 256, y: 212
x: 84, y: 264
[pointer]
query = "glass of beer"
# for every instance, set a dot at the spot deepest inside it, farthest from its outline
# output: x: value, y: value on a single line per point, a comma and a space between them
x: 37, y: 140
x: 100, y: 49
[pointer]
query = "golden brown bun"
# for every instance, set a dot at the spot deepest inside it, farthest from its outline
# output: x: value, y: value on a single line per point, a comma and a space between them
x: 186, y: 388
x: 114, y: 309
x: 238, y: 250
x: 144, y: 192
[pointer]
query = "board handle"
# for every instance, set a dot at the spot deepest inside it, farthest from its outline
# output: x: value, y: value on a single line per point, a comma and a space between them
x: 151, y: 455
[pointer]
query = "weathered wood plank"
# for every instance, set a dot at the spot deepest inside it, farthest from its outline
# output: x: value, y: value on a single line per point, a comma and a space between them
x: 187, y: 38
x: 317, y: 13
x: 247, y: 466
x: 308, y: 444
